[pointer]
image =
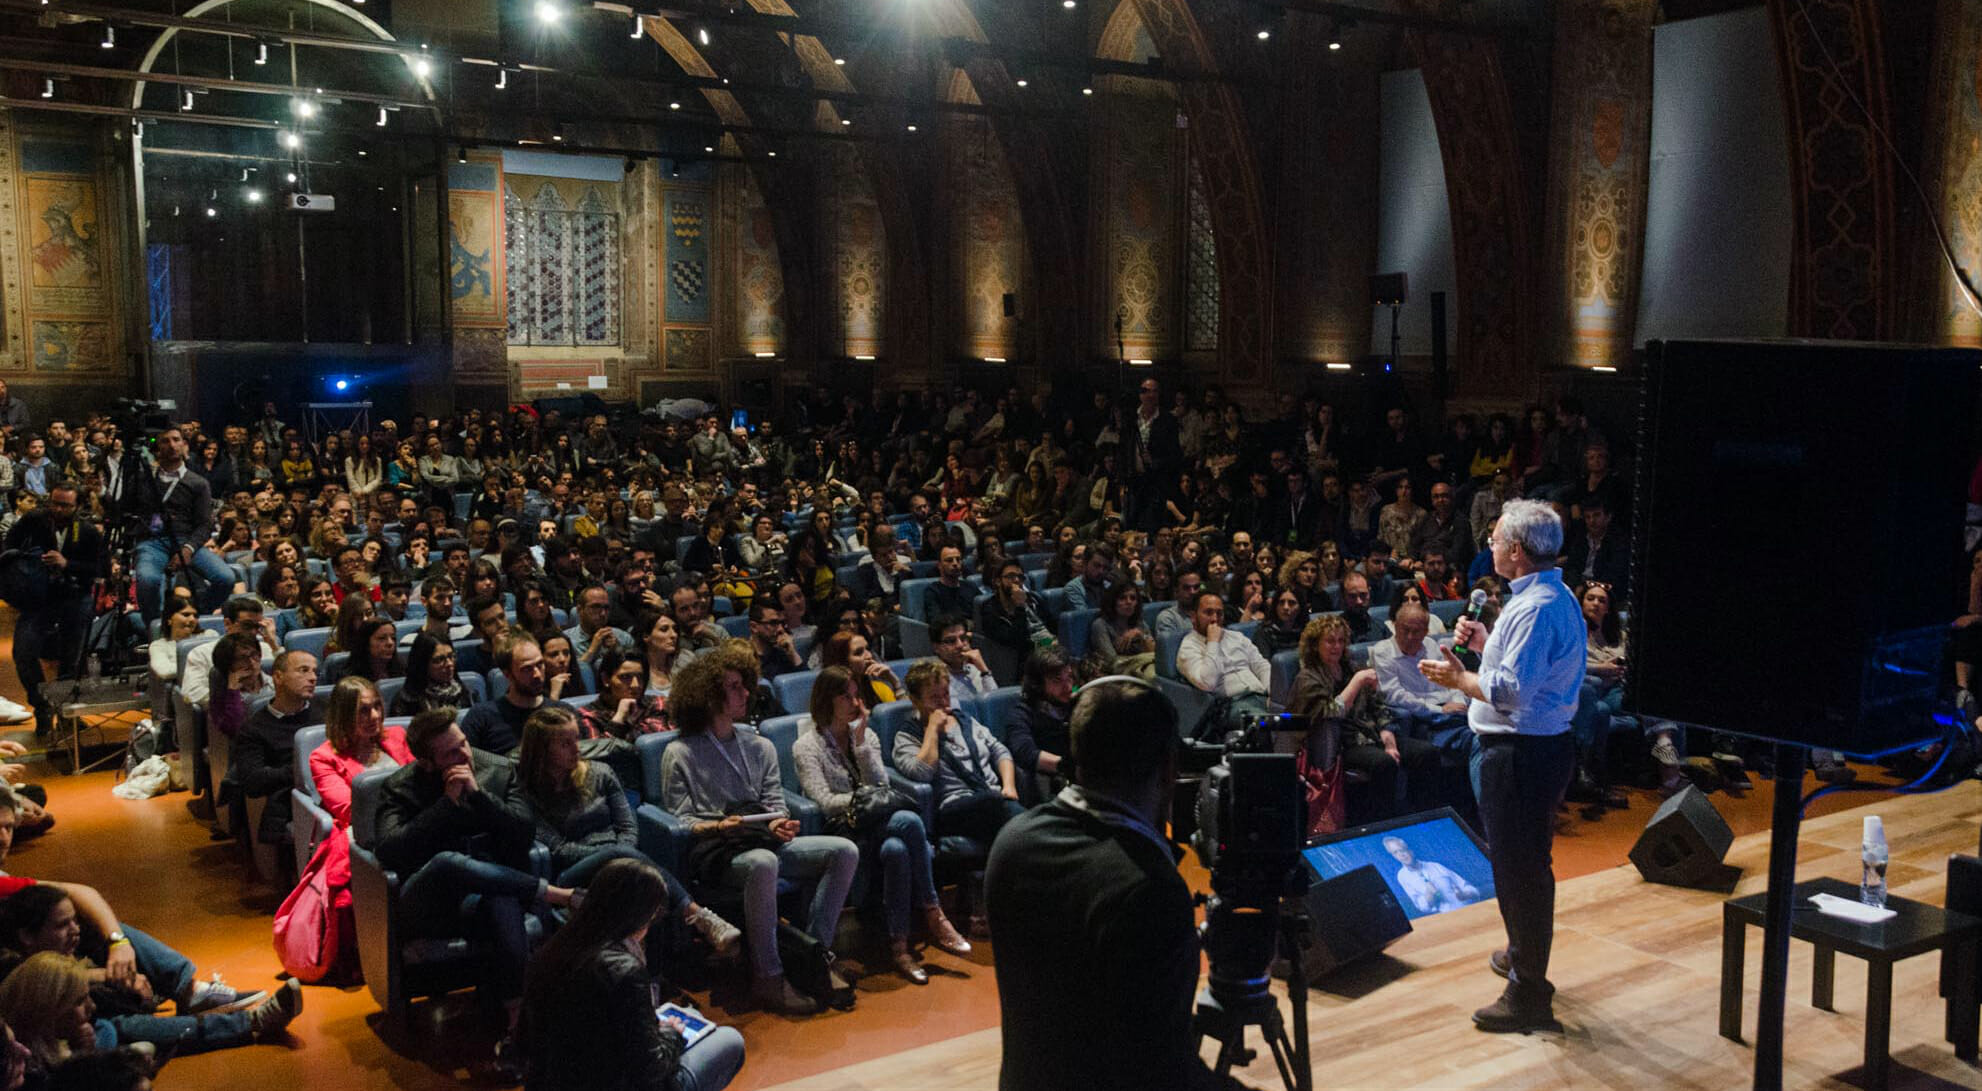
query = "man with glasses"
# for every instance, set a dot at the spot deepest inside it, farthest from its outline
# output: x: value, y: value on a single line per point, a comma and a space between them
x: 776, y: 652
x: 592, y: 627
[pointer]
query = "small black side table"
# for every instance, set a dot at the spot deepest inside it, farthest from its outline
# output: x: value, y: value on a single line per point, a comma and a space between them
x: 1918, y: 929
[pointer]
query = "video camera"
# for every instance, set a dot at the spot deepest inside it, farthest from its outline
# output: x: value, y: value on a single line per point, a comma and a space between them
x: 1251, y: 815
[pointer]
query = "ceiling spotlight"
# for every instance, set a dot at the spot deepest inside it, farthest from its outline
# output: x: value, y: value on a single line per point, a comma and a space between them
x: 1023, y: 82
x: 502, y: 78
x: 914, y: 129
x: 290, y: 177
x: 548, y: 12
x: 211, y: 212
x: 1070, y: 4
x: 674, y: 105
x: 422, y: 67
x: 710, y: 148
x: 702, y: 36
x: 109, y: 36
x: 291, y: 141
x: 774, y: 155
x: 261, y: 52
x: 48, y: 90
x: 363, y: 153
x: 254, y: 196
x: 1334, y: 45
x: 639, y: 27
x: 846, y: 121
x: 841, y: 61
x: 1087, y: 91
x: 381, y: 117
x: 461, y: 156
x: 1264, y: 34
x: 304, y: 107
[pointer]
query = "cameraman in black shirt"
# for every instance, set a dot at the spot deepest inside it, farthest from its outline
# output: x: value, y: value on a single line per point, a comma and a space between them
x: 55, y: 600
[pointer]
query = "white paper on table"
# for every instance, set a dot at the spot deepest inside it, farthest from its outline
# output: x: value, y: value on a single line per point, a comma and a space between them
x: 1859, y: 912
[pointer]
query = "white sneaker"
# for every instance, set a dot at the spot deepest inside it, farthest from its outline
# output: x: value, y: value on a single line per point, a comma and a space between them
x: 721, y: 934
x: 14, y: 713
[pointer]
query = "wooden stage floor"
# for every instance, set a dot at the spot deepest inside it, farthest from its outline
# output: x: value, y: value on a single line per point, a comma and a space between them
x: 1637, y: 968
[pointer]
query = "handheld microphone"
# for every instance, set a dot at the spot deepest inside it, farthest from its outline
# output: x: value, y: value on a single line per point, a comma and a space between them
x: 1475, y: 606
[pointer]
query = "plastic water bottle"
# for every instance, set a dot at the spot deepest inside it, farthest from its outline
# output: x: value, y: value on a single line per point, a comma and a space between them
x: 1872, y: 887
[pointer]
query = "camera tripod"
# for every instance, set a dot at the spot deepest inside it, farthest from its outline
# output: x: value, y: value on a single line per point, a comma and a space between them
x: 1224, y: 1012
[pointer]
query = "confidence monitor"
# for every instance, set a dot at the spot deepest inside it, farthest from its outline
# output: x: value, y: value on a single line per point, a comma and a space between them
x: 1797, y: 538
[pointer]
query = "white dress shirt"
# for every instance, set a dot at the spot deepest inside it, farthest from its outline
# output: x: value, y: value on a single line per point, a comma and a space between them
x: 1532, y: 668
x: 1232, y: 667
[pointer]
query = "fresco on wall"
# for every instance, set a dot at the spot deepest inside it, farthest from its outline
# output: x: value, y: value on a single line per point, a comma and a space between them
x: 473, y: 269
x: 688, y: 285
x: 760, y: 279
x: 71, y: 346
x: 65, y: 261
x: 1961, y: 172
x: 860, y: 256
x: 562, y: 260
x: 1144, y: 191
x: 990, y: 250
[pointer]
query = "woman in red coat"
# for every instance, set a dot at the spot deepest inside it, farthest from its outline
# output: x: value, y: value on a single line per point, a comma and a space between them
x: 355, y: 739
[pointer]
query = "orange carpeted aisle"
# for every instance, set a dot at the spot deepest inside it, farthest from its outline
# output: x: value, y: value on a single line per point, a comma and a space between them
x: 160, y: 871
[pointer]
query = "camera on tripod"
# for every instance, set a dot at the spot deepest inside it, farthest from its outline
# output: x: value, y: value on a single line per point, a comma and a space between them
x: 1251, y: 815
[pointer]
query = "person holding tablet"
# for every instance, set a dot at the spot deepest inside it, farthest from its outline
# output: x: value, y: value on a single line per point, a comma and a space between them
x: 590, y: 1018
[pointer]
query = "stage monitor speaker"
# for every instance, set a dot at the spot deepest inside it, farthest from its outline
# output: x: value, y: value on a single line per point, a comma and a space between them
x: 1390, y: 289
x: 1354, y: 915
x: 1684, y: 844
x: 1814, y: 488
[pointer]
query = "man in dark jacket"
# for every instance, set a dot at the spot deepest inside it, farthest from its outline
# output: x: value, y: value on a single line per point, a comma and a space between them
x: 176, y: 507
x: 1156, y: 457
x: 63, y: 555
x: 454, y: 823
x: 263, y: 758
x: 1089, y: 914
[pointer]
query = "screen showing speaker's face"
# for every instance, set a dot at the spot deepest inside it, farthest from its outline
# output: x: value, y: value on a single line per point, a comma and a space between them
x: 1433, y: 866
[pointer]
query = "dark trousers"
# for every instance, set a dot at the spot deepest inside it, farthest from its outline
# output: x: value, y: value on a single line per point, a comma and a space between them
x: 1410, y: 782
x: 53, y: 632
x: 1520, y: 780
x: 454, y: 889
x: 978, y: 817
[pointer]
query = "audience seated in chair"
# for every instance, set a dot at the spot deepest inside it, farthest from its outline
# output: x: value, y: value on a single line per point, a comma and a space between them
x: 962, y: 664
x: 496, y: 725
x: 1346, y: 713
x: 263, y: 757
x: 714, y: 775
x: 835, y: 756
x: 1036, y: 730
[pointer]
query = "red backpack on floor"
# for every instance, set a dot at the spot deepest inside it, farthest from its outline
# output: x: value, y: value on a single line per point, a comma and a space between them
x: 315, y: 929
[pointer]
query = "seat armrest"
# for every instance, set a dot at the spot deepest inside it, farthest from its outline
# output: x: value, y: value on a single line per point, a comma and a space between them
x: 923, y: 794
x: 811, y: 819
x: 664, y: 837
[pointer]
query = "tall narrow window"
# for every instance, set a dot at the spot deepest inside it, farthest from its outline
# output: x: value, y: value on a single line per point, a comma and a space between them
x: 1200, y: 269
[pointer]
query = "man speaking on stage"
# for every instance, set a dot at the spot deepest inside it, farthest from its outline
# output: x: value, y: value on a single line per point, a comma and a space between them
x: 1522, y: 698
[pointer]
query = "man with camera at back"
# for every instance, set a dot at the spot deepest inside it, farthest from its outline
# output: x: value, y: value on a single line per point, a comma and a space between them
x: 1095, y: 933
x: 53, y: 558
x: 172, y: 508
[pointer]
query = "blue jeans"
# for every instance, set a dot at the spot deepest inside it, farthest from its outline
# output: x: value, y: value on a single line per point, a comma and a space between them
x: 827, y: 862
x: 710, y: 1064
x: 153, y: 554
x: 454, y: 886
x: 171, y: 976
x: 169, y: 972
x: 902, y: 846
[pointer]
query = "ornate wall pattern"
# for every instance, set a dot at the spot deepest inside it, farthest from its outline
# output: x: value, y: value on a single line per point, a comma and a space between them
x: 68, y: 257
x: 988, y: 240
x: 1958, y: 82
x: 760, y: 284
x: 688, y: 234
x: 1491, y: 244
x: 1232, y: 188
x: 1842, y: 268
x: 1141, y: 225
x: 1599, y: 169
x: 860, y: 263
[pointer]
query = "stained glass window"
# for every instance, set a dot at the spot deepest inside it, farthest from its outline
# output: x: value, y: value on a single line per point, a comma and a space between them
x: 563, y: 264
x: 1200, y: 269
